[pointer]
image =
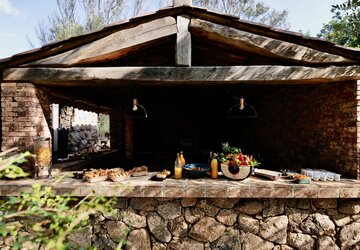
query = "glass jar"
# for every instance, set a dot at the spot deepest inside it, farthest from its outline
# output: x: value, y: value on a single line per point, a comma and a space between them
x: 42, y: 158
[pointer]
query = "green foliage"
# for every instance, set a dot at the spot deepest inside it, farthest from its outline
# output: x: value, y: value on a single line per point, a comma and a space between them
x: 77, y: 17
x: 251, y: 10
x: 104, y: 123
x: 344, y: 28
x: 227, y: 149
x: 9, y: 167
x: 49, y: 217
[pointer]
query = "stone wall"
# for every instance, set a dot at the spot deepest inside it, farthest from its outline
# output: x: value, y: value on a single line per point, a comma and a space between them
x: 279, y: 224
x: 309, y: 126
x: 84, y: 139
x: 25, y: 111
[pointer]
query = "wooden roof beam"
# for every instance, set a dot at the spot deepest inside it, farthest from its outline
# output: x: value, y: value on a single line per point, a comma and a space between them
x: 261, y: 45
x: 112, y: 46
x: 181, y: 75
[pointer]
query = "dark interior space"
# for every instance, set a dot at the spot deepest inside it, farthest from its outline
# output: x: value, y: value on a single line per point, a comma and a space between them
x: 297, y: 126
x: 194, y: 120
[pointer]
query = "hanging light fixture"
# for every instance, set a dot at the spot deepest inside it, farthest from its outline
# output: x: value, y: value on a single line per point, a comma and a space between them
x: 135, y: 104
x: 242, y: 110
x: 136, y: 110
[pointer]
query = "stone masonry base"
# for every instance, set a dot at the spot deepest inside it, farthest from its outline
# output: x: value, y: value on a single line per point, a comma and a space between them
x: 190, y: 223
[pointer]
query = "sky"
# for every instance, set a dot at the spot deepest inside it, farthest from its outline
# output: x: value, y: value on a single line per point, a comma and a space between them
x: 18, y: 19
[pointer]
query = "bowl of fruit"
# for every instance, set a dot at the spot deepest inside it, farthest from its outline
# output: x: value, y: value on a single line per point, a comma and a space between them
x: 235, y: 164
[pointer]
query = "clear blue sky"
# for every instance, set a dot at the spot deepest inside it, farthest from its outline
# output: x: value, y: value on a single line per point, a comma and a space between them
x: 18, y: 19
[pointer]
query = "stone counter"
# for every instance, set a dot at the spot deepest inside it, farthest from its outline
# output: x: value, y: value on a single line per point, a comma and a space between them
x: 204, y: 214
x: 252, y: 187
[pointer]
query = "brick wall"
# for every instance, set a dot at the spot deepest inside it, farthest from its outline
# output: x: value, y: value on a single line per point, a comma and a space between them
x: 310, y: 126
x: 129, y: 145
x: 25, y: 114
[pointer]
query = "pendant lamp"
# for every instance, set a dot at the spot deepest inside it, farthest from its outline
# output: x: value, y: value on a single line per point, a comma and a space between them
x: 136, y: 110
x: 242, y: 110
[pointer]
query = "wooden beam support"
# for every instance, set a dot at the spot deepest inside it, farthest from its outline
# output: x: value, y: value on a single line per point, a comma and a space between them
x: 177, y: 3
x: 183, y: 42
x: 261, y: 45
x: 113, y: 46
x: 181, y: 75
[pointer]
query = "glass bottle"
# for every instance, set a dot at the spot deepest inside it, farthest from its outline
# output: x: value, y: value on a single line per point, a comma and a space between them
x: 178, y: 167
x: 182, y: 159
x: 214, y: 167
x: 210, y: 158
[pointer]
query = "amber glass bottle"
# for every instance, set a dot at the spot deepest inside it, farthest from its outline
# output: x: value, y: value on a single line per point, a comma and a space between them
x: 182, y: 159
x: 178, y: 167
x: 214, y: 167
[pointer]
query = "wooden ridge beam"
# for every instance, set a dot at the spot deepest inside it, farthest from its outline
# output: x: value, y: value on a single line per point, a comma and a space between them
x: 181, y: 75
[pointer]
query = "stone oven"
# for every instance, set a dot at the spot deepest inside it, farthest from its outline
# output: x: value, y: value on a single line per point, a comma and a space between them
x: 187, y: 66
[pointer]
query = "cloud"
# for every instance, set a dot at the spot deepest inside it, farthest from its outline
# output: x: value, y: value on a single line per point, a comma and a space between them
x: 7, y: 8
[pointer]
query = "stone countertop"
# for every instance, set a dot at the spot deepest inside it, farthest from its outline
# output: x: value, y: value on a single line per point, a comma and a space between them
x: 252, y: 187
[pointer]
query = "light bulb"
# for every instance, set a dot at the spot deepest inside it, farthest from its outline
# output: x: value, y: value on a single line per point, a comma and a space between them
x: 135, y: 103
x: 242, y: 103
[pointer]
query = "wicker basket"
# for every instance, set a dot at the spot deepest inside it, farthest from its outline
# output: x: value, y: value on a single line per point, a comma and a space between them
x: 236, y: 173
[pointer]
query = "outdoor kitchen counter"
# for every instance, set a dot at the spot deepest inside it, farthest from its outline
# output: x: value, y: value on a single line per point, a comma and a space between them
x: 252, y: 187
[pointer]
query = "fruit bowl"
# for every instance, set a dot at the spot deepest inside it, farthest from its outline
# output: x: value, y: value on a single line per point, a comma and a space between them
x: 196, y: 170
x: 236, y: 173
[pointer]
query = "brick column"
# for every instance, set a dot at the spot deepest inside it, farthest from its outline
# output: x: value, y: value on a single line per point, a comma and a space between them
x: 358, y: 128
x: 25, y: 112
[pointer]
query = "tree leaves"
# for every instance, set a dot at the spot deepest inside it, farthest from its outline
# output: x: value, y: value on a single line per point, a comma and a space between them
x: 251, y: 10
x: 344, y: 28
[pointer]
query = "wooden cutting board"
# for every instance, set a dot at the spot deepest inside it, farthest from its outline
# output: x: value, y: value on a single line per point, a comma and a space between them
x: 268, y: 174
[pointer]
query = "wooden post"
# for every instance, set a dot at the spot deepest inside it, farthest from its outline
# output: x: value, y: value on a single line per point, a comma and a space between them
x: 183, y: 42
x: 177, y: 3
x: 55, y: 125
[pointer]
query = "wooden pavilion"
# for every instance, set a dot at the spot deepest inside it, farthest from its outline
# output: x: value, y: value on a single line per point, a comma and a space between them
x: 185, y: 64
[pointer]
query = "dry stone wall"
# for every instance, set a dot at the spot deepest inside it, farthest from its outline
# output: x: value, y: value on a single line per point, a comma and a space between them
x: 247, y: 224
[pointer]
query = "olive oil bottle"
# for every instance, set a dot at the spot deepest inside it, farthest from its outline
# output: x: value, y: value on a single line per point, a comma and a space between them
x: 178, y: 167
